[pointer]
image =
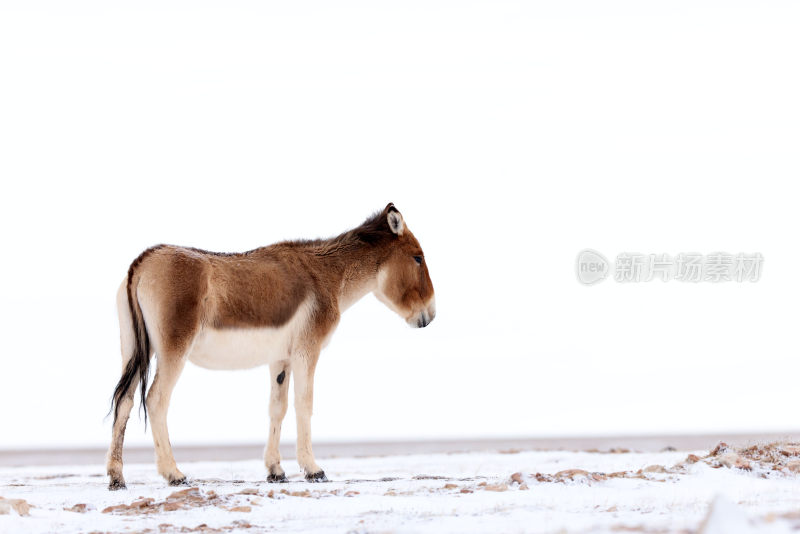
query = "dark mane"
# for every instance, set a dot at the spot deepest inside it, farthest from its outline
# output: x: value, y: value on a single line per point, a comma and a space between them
x: 374, y: 230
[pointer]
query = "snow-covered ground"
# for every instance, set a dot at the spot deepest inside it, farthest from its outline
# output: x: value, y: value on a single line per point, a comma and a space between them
x: 753, y: 490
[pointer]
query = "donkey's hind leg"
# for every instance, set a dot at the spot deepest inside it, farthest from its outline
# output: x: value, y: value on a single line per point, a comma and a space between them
x: 123, y: 409
x: 114, y: 456
x: 169, y: 369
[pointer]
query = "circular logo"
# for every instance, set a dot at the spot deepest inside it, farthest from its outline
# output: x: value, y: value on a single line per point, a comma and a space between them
x: 591, y: 267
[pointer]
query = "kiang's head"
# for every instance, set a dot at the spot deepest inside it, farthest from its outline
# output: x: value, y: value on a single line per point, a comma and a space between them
x: 404, y: 284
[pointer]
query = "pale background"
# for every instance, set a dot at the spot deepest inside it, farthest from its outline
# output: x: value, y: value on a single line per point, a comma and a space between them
x: 510, y: 134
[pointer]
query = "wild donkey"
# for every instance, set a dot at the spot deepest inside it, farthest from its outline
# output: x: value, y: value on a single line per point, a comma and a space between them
x: 276, y: 305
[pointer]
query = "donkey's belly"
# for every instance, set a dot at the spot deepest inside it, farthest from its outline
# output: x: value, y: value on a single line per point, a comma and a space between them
x: 240, y: 348
x: 243, y: 348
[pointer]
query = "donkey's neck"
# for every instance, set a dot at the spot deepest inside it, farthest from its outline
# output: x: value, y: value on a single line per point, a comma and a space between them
x: 354, y: 289
x: 353, y: 269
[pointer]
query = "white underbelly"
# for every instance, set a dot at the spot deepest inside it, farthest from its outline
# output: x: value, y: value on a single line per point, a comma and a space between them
x: 244, y: 348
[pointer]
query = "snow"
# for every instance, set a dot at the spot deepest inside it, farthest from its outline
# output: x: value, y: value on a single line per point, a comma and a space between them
x: 551, y: 491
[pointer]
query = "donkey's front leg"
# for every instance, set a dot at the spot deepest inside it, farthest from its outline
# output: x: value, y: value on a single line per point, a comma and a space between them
x: 278, y: 403
x: 303, y: 366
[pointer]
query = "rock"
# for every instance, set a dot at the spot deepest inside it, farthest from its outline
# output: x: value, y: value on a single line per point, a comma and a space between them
x: 20, y: 506
x: 178, y: 500
x: 793, y: 466
x: 194, y: 492
x: 732, y: 459
x: 496, y: 487
x: 571, y: 474
x: 143, y: 503
x: 721, y: 448
x: 517, y: 477
x: 790, y: 450
x: 249, y: 491
x: 450, y: 486
x: 654, y: 469
x: 465, y: 490
x: 241, y: 509
x: 692, y: 459
x: 81, y: 508
x: 115, y: 508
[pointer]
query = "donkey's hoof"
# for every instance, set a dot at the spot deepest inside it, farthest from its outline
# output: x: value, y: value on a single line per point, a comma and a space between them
x: 316, y: 477
x: 277, y: 478
x: 179, y: 482
x: 115, y: 485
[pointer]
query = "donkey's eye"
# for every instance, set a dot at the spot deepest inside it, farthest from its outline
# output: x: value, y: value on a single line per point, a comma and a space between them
x: 418, y: 259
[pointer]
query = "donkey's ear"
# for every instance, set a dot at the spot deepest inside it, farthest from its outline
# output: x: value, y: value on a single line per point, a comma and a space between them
x: 395, y: 220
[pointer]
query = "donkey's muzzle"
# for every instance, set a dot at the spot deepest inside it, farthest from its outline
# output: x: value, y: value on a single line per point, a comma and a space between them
x: 423, y: 319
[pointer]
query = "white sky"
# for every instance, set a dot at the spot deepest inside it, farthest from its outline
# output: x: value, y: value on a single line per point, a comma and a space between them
x: 510, y: 134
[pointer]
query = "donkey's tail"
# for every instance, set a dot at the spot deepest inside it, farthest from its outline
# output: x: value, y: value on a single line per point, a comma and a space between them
x: 139, y: 363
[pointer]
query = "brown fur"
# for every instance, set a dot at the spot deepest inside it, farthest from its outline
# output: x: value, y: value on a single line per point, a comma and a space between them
x: 177, y: 293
